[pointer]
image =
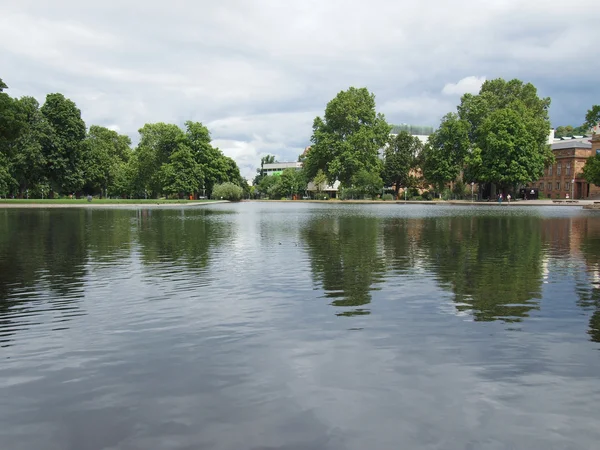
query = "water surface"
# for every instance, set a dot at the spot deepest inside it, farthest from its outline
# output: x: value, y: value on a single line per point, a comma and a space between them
x: 300, y: 326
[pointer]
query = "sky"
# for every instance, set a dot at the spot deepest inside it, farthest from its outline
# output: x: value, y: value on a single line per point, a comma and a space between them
x: 258, y: 72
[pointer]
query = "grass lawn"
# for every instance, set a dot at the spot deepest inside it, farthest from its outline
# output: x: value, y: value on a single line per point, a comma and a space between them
x: 97, y: 201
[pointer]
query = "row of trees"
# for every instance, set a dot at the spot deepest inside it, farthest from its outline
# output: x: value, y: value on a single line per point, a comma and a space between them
x: 48, y: 150
x: 498, y: 138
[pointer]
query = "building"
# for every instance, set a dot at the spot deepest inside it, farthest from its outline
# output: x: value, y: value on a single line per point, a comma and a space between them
x: 420, y: 132
x: 278, y: 167
x: 564, y: 179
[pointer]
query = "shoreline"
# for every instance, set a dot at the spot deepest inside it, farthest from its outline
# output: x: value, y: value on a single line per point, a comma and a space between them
x: 39, y: 205
x: 529, y: 203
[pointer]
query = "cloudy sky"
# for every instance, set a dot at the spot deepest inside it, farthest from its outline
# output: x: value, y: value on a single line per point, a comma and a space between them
x: 258, y: 72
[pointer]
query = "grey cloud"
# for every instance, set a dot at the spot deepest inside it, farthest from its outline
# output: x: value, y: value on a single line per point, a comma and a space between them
x: 277, y: 64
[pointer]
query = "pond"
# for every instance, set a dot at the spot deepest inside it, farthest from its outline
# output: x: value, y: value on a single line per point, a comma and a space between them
x: 300, y: 326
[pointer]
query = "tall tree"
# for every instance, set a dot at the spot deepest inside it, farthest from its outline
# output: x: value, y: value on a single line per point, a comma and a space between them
x: 63, y: 150
x: 592, y: 118
x: 29, y: 162
x: 348, y: 138
x: 105, y: 153
x: 157, y: 142
x: 509, y: 123
x: 400, y: 158
x: 182, y: 175
x: 443, y: 158
x: 292, y: 182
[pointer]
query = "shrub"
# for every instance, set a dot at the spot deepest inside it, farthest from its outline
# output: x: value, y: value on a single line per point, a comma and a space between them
x: 227, y: 191
x: 426, y: 195
x: 417, y: 198
x: 387, y: 197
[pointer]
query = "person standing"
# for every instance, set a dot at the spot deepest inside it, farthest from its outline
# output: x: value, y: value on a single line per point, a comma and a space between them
x: 500, y: 198
x: 508, y: 197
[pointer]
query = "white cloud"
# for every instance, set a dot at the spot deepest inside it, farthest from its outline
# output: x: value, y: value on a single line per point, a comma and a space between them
x: 467, y: 85
x: 258, y: 73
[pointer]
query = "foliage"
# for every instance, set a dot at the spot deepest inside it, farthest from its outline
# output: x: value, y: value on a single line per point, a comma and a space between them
x: 426, y: 195
x: 569, y: 130
x: 266, y: 184
x: 347, y: 139
x: 47, y: 150
x: 227, y: 191
x: 400, y: 159
x: 508, y: 123
x: 387, y: 197
x: 320, y: 181
x: 366, y: 183
x: 591, y: 170
x: 291, y: 182
x: 105, y: 154
x: 592, y: 118
x: 459, y: 189
x: 63, y: 148
x: 442, y: 158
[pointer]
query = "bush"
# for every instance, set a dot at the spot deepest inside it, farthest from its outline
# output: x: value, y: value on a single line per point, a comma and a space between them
x: 417, y: 198
x: 426, y: 195
x: 321, y: 197
x: 387, y: 197
x: 227, y: 191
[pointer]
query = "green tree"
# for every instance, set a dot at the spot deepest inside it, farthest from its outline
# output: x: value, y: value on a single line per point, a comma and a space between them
x: 591, y: 170
x: 216, y: 168
x: 63, y: 149
x: 348, y: 138
x: 443, y: 157
x: 592, y: 118
x: 28, y: 160
x: 157, y: 142
x: 106, y: 152
x: 182, y: 175
x: 320, y: 181
x: 400, y: 159
x: 367, y: 184
x: 512, y: 154
x: 292, y: 182
x: 268, y: 186
x: 509, y: 123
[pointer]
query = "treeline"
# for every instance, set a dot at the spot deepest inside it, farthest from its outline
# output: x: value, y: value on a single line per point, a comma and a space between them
x: 497, y: 139
x: 47, y: 151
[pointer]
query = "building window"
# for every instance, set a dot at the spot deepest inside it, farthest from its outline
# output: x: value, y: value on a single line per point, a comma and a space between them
x: 558, y: 185
x: 567, y: 186
x: 541, y: 186
x: 558, y: 169
x: 549, y: 186
x: 549, y: 171
x: 568, y: 169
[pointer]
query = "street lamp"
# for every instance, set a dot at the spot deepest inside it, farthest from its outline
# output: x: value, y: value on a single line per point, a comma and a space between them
x: 573, y: 188
x: 42, y: 193
x: 472, y: 183
x: 27, y: 194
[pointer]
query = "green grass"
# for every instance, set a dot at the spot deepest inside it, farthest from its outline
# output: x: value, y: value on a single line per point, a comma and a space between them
x: 96, y: 201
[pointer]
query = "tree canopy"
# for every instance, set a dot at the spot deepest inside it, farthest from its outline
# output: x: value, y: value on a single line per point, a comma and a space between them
x: 592, y: 118
x: 499, y: 136
x: 348, y: 138
x: 591, y: 170
x: 48, y: 149
x: 400, y: 159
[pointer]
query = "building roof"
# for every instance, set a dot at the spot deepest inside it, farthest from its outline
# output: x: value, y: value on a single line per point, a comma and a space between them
x: 573, y: 143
